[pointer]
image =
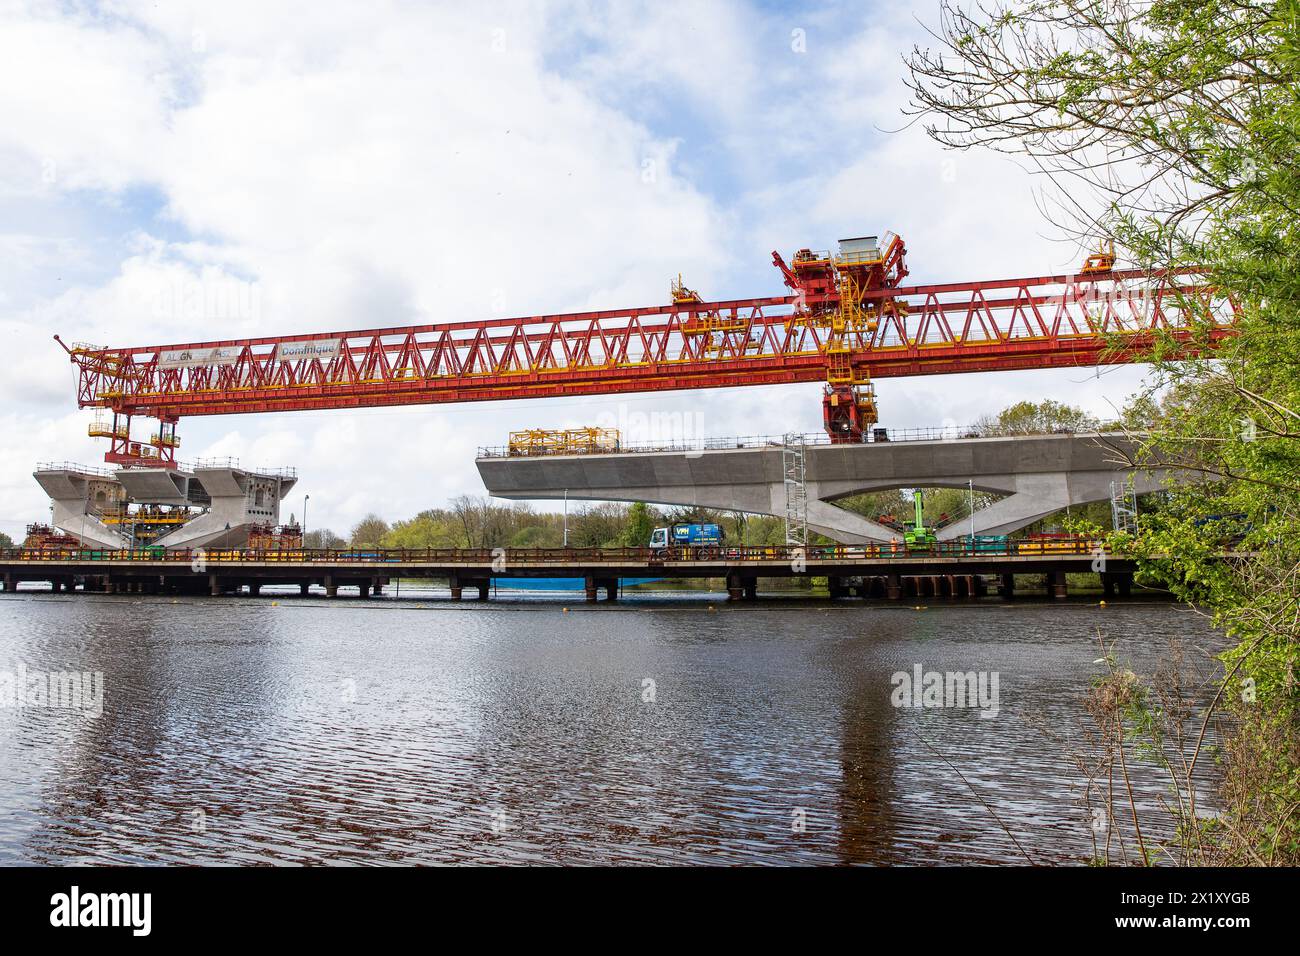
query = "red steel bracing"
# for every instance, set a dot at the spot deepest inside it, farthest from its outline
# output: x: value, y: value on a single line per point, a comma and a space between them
x: 1042, y: 322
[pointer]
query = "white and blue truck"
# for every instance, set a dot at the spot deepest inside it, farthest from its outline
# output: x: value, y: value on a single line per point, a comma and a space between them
x: 689, y: 535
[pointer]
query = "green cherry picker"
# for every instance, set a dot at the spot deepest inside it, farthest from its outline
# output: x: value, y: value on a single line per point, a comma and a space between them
x: 918, y: 536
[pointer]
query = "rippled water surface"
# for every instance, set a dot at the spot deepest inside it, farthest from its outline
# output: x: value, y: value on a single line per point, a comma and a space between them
x: 419, y: 730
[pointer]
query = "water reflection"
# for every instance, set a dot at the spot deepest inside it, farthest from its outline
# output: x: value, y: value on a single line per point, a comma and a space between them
x: 420, y: 731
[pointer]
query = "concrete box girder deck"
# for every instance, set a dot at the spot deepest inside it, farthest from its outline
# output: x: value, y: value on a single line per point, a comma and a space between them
x: 1038, y: 474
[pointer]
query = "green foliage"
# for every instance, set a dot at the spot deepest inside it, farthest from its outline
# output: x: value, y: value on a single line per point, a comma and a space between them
x: 323, y: 538
x: 762, y: 530
x: 639, y: 524
x: 428, y: 529
x: 1184, y: 117
x: 598, y: 526
x: 537, y: 536
x: 1042, y: 418
x: 369, y: 532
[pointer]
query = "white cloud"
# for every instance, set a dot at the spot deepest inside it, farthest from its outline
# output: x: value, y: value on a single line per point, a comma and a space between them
x: 84, y: 101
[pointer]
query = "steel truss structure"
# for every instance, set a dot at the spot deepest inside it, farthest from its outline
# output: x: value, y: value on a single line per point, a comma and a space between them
x: 843, y: 325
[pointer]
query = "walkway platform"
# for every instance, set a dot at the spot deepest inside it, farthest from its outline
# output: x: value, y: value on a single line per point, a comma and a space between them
x: 848, y: 570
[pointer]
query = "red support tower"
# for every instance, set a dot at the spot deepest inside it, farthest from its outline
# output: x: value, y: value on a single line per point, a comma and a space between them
x: 841, y: 294
x: 158, y: 452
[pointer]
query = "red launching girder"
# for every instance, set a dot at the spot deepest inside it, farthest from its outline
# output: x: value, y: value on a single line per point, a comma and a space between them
x: 1042, y: 322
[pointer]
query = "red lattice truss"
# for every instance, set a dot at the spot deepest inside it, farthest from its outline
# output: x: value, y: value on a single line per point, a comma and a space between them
x: 1048, y: 321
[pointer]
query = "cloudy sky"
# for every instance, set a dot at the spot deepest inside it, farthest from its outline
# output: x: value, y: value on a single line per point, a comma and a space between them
x: 172, y: 172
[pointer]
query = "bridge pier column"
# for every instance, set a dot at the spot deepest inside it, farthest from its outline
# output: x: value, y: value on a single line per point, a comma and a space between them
x: 481, y: 584
x: 331, y: 588
x: 1007, y: 587
x: 214, y: 585
x: 835, y: 587
x: 10, y: 583
x: 735, y: 587
x: 751, y: 588
x: 254, y: 589
x: 454, y: 585
x: 1112, y: 581
x: 893, y: 586
x: 364, y: 589
x: 589, y: 585
x: 1057, y: 585
x: 304, y: 588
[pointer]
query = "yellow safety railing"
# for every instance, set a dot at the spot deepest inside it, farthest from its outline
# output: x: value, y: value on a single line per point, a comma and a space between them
x: 104, y: 427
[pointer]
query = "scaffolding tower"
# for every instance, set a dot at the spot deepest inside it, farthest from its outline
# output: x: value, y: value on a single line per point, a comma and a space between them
x: 796, y: 491
x: 1123, y: 507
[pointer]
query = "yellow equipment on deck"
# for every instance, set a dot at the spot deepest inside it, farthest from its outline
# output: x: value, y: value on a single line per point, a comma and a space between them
x: 564, y: 441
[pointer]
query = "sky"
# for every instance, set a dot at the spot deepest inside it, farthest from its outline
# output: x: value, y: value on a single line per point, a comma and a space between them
x: 179, y: 171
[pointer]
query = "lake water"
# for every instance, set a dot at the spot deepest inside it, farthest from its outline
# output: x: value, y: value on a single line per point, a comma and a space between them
x: 659, y: 730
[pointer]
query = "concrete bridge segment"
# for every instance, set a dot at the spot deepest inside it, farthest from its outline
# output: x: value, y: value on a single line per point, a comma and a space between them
x: 227, y: 501
x: 1039, y: 475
